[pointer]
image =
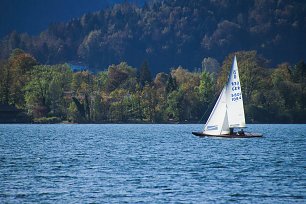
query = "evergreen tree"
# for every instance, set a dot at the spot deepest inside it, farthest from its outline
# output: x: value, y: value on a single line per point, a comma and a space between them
x: 299, y: 72
x: 171, y: 84
x: 144, y: 74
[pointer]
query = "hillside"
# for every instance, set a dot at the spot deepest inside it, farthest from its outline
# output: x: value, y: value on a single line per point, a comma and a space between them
x: 171, y: 33
x: 33, y: 16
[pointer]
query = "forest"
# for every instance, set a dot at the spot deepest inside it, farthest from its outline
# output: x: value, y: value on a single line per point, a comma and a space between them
x: 125, y: 94
x: 170, y: 33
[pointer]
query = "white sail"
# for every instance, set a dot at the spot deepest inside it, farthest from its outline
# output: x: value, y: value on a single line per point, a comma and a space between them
x: 217, y: 122
x: 228, y: 111
x: 235, y: 110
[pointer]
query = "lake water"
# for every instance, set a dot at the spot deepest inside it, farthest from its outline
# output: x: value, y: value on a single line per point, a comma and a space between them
x: 150, y: 164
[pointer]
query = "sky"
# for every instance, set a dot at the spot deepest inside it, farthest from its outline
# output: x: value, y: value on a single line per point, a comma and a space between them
x: 33, y: 16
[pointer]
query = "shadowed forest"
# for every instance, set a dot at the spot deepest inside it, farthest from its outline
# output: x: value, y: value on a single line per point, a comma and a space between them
x: 170, y: 33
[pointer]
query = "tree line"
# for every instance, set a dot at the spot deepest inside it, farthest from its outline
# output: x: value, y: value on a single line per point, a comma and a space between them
x: 124, y: 94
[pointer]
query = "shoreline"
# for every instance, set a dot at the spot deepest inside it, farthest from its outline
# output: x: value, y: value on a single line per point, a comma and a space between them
x: 138, y: 123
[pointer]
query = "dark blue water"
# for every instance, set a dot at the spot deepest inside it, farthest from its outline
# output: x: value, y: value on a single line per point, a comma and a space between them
x: 150, y: 164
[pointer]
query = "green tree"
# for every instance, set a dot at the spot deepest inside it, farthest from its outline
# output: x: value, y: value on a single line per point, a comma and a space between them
x: 120, y: 108
x: 55, y: 97
x: 148, y: 102
x: 82, y: 83
x: 299, y: 72
x: 44, y: 92
x: 171, y: 84
x: 144, y: 74
x: 175, y: 105
x: 36, y: 91
x: 73, y: 115
x: 101, y: 81
x: 17, y: 75
x: 4, y: 83
x: 121, y: 76
x: 207, y: 87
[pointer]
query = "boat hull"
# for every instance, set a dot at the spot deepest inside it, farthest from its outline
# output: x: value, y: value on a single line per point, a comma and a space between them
x: 235, y: 135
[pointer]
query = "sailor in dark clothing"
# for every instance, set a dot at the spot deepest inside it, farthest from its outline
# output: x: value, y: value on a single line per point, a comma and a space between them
x: 241, y: 132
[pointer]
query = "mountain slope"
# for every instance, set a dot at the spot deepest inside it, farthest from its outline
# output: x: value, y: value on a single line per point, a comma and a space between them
x: 33, y: 16
x: 171, y: 33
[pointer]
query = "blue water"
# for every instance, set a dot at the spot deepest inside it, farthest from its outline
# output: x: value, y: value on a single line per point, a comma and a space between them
x: 150, y: 164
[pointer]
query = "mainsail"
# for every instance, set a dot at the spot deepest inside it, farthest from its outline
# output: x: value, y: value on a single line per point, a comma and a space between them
x: 234, y: 99
x: 228, y: 111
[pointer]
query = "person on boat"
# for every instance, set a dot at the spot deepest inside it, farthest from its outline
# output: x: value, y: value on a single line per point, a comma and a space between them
x: 241, y: 132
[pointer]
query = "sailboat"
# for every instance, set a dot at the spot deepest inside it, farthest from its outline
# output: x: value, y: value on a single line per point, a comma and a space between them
x: 228, y: 112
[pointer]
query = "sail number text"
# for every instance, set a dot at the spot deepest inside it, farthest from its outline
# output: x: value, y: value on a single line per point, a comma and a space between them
x: 235, y: 86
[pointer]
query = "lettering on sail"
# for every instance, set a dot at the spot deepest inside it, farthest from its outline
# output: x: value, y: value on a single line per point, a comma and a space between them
x: 235, y: 87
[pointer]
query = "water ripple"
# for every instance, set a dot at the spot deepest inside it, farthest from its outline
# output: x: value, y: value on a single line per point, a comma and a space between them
x: 150, y: 164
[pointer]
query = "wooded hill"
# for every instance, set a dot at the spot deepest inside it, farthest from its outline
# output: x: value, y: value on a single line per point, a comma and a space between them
x: 170, y: 33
